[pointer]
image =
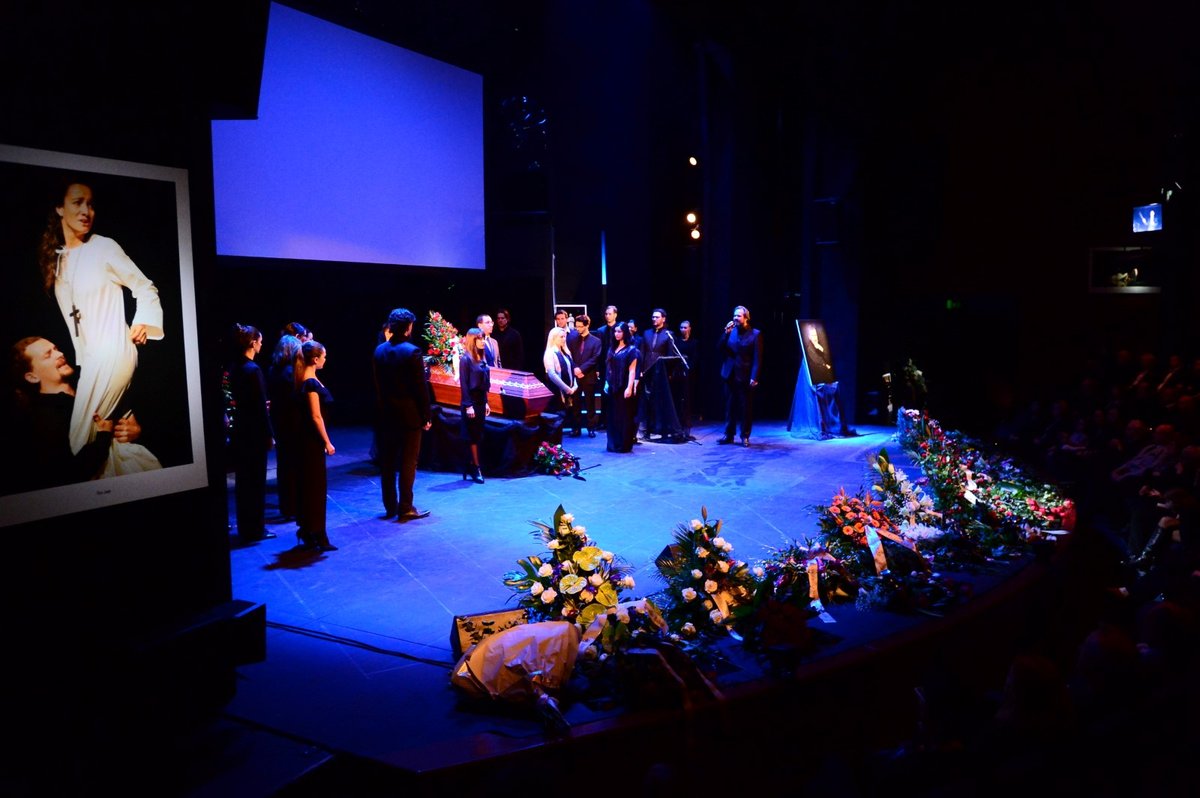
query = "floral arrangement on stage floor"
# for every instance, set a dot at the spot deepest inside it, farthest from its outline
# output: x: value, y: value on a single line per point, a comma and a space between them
x: 555, y: 460
x: 441, y: 342
x: 989, y: 500
x: 897, y: 543
x: 574, y: 580
x: 705, y: 585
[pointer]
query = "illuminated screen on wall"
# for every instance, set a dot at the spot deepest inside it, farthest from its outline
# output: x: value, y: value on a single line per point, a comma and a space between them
x: 1147, y: 218
x: 362, y: 152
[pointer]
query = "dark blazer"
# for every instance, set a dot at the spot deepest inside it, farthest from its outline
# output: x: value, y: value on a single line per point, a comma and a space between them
x: 512, y: 347
x: 401, y: 393
x: 605, y: 334
x: 741, y: 354
x: 586, y: 354
x: 473, y: 376
x: 251, y: 423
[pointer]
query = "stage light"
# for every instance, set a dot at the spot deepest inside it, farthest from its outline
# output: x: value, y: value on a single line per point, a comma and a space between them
x: 695, y: 233
x: 691, y: 217
x: 692, y: 160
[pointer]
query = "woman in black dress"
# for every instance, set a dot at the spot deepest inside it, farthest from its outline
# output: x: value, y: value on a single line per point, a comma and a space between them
x: 474, y: 379
x: 250, y: 437
x: 285, y: 421
x: 313, y: 446
x: 621, y: 385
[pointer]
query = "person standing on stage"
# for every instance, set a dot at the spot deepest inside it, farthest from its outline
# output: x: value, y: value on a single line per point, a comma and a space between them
x: 251, y: 436
x: 285, y: 421
x: 621, y: 387
x: 634, y: 340
x: 509, y: 340
x: 659, y: 407
x: 585, y: 351
x: 741, y: 356
x: 683, y: 377
x: 474, y: 380
x: 491, y: 349
x: 314, y: 447
x: 605, y: 334
x: 560, y: 371
x: 402, y: 414
x: 298, y: 330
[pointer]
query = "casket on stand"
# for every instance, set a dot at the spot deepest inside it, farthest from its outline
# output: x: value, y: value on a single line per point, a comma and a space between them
x: 513, y: 394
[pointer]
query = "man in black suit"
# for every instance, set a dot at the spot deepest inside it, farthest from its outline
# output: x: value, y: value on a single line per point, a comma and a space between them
x: 741, y: 354
x: 586, y: 355
x: 509, y: 340
x: 403, y: 413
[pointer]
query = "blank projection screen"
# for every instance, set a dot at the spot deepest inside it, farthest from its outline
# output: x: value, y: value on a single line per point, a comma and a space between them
x: 362, y: 152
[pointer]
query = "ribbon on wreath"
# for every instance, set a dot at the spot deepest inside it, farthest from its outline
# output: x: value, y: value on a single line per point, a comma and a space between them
x: 875, y: 544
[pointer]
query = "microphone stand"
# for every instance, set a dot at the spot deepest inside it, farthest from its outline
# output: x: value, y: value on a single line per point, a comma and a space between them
x: 671, y: 338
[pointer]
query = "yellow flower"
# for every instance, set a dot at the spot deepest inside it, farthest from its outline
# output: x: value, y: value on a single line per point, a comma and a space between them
x: 572, y: 584
x: 588, y: 558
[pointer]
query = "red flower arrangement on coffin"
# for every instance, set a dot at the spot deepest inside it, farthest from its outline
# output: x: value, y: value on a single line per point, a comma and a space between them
x: 441, y: 342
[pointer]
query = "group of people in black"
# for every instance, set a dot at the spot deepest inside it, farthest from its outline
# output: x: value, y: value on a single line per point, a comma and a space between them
x: 613, y: 377
x: 633, y: 381
x: 284, y: 408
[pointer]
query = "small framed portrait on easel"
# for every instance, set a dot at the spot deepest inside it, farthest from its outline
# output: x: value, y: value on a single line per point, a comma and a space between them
x: 817, y: 355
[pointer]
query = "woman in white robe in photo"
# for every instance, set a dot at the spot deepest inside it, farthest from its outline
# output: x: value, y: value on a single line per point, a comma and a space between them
x: 87, y: 273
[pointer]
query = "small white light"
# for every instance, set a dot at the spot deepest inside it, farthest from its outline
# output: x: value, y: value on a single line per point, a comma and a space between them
x: 696, y: 234
x: 691, y: 217
x: 692, y: 160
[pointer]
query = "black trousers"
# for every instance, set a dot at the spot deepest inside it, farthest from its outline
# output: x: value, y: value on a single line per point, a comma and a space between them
x: 739, y: 407
x: 582, y: 413
x: 250, y: 492
x: 399, y: 452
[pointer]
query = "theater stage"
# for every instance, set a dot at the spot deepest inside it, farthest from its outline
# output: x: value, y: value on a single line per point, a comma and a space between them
x: 358, y: 640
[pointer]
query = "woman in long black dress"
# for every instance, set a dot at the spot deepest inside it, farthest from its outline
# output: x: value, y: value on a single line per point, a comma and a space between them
x: 285, y: 421
x: 474, y: 379
x: 250, y: 437
x: 621, y: 385
x: 313, y: 446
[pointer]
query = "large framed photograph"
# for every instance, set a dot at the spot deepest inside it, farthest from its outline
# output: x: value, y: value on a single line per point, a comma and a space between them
x: 99, y: 320
x: 816, y: 351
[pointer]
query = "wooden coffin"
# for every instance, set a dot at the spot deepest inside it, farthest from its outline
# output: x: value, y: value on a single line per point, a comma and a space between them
x: 513, y: 394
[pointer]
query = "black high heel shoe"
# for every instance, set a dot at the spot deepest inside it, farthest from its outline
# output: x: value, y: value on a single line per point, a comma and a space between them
x: 303, y: 543
x: 477, y: 476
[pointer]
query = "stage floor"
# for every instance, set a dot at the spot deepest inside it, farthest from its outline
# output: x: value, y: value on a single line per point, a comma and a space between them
x: 359, y: 639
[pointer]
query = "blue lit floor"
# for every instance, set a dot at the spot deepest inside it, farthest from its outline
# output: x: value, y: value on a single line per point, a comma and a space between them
x: 359, y: 639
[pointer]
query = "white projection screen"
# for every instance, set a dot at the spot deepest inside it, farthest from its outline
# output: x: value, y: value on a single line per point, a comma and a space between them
x: 362, y: 152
